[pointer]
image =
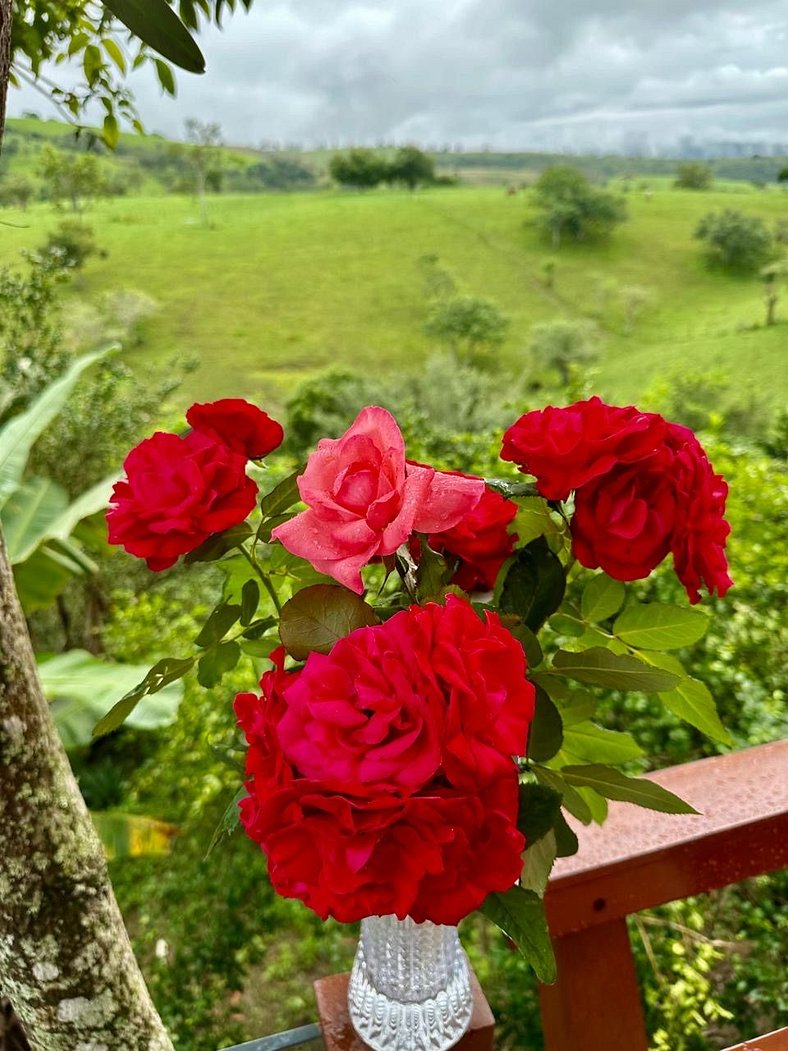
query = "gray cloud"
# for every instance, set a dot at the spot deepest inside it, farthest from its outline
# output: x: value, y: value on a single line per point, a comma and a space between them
x: 522, y: 74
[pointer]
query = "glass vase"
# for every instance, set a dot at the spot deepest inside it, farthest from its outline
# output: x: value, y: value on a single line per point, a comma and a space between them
x: 410, y: 988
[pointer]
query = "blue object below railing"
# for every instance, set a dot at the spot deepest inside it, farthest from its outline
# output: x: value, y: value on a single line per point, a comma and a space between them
x: 280, y: 1041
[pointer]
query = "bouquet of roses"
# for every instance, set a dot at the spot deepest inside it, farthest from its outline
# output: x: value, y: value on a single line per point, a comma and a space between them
x: 428, y: 640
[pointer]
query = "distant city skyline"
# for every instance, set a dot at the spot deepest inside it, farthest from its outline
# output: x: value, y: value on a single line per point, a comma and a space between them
x: 672, y: 76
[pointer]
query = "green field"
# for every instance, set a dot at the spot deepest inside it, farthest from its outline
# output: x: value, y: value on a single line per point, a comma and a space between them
x: 284, y: 285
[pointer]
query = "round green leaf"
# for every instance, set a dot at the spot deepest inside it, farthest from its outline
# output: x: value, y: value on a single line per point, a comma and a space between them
x: 316, y: 617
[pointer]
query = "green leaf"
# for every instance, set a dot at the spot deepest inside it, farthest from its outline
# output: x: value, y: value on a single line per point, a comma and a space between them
x: 131, y: 835
x: 115, y: 53
x: 600, y: 667
x: 547, y: 733
x: 315, y: 618
x: 215, y: 663
x: 258, y: 628
x: 533, y: 520
x: 692, y: 701
x: 574, y: 706
x: 268, y: 525
x: 587, y: 742
x: 565, y: 838
x: 520, y: 915
x: 563, y: 624
x: 231, y: 819
x: 216, y: 546
x: 259, y: 647
x: 612, y: 784
x: 166, y: 79
x: 660, y: 627
x: 41, y: 578
x: 538, y: 861
x: 538, y: 809
x: 432, y: 574
x: 218, y: 624
x: 110, y: 132
x: 602, y: 598
x: 92, y: 64
x: 157, y: 25
x: 250, y: 599
x: 28, y: 514
x: 282, y: 497
x: 82, y: 689
x: 19, y: 435
x: 571, y: 798
x: 534, y: 584
x: 160, y: 675
x: 527, y: 639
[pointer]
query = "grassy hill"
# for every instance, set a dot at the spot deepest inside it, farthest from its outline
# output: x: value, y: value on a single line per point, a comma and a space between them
x: 283, y: 285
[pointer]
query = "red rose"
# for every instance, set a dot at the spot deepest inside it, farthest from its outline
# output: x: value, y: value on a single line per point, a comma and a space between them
x: 354, y: 857
x: 259, y: 718
x: 624, y: 520
x: 564, y: 448
x: 370, y: 712
x: 481, y: 541
x: 177, y: 493
x: 698, y: 541
x: 242, y: 427
x: 490, y: 703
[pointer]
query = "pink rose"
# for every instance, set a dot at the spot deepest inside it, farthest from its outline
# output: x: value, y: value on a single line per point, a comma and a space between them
x: 364, y: 499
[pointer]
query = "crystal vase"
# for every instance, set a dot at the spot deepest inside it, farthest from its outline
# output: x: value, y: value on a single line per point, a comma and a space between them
x: 410, y: 987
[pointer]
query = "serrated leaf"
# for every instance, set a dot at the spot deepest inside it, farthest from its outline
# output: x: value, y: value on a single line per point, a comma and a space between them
x: 538, y: 861
x: 537, y: 811
x: 520, y: 915
x: 215, y: 663
x: 565, y: 838
x: 533, y: 519
x: 218, y: 624
x: 612, y: 784
x: 587, y: 742
x: 316, y: 617
x: 692, y: 701
x: 231, y: 819
x: 599, y: 667
x: 282, y: 497
x: 602, y: 597
x: 534, y: 584
x: 546, y: 733
x: 571, y: 798
x: 655, y: 626
x: 250, y: 599
x: 165, y: 671
x: 155, y: 23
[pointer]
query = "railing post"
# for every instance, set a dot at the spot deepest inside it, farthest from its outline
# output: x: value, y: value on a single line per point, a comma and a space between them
x: 595, y: 1004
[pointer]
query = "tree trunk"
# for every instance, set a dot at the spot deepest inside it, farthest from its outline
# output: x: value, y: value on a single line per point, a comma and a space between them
x: 5, y: 58
x: 65, y: 959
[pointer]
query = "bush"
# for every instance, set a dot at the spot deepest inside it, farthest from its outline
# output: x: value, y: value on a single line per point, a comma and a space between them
x: 693, y: 175
x: 360, y: 168
x: 73, y: 242
x: 412, y: 168
x: 738, y: 243
x: 572, y: 208
x: 16, y: 191
x: 556, y: 346
x: 468, y: 325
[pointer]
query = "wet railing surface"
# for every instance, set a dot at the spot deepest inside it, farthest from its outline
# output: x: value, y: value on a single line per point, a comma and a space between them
x: 304, y: 1036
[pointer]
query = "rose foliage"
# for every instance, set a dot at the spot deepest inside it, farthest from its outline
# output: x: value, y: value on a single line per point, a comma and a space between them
x: 430, y: 642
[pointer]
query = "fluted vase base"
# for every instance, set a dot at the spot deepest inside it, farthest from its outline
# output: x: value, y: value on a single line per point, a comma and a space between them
x: 410, y: 987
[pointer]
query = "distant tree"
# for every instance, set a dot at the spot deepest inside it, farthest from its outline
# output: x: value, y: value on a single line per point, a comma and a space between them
x: 634, y: 300
x: 694, y: 175
x: 359, y: 168
x: 734, y: 241
x: 75, y: 178
x: 468, y: 325
x: 16, y: 191
x: 560, y: 346
x: 773, y: 276
x: 204, y: 155
x: 411, y: 167
x: 572, y: 208
x: 782, y: 176
x: 781, y: 232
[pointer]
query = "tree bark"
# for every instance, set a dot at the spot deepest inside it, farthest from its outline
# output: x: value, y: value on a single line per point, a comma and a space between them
x: 5, y: 59
x: 66, y: 961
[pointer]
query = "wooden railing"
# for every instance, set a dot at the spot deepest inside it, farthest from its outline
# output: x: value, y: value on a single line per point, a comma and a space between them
x: 637, y: 860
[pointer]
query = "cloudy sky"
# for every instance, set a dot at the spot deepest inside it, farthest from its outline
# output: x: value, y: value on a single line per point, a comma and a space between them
x: 520, y: 74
